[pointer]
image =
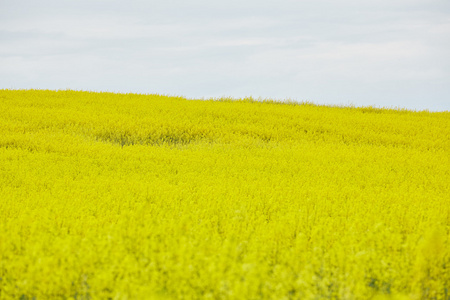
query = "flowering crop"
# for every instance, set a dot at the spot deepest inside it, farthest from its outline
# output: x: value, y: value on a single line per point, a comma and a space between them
x: 127, y: 196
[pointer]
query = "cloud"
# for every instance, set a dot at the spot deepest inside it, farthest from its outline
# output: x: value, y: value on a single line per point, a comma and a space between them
x: 328, y: 51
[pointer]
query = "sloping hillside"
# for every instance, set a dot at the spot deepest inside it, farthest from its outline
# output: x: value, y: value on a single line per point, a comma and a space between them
x: 121, y: 196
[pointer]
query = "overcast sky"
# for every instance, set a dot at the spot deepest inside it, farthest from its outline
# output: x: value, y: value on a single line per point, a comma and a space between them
x: 386, y: 53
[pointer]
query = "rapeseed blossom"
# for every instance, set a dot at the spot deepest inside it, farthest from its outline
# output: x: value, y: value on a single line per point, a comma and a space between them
x: 127, y: 196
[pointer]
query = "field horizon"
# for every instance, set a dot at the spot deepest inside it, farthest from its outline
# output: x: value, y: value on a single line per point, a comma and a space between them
x: 250, y: 98
x: 141, y: 196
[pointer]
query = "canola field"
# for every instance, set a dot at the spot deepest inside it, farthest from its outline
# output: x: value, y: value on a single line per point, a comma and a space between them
x: 126, y: 196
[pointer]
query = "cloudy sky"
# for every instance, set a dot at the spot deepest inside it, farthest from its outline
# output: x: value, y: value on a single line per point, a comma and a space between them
x: 386, y: 53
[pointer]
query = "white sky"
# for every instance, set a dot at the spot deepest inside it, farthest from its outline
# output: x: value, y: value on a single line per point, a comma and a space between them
x: 386, y: 53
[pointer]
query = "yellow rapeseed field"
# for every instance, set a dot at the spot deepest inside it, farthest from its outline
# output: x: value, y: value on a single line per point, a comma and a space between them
x: 126, y: 196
